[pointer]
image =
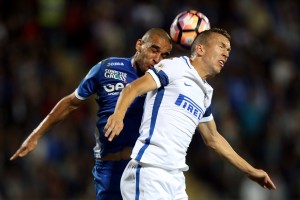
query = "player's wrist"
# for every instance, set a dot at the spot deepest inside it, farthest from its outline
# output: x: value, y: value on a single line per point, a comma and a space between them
x: 120, y: 114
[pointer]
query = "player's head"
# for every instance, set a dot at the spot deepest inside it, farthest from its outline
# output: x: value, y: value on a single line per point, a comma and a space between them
x: 154, y: 46
x: 212, y: 48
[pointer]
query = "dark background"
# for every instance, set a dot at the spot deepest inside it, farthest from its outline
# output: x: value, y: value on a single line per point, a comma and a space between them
x: 47, y: 47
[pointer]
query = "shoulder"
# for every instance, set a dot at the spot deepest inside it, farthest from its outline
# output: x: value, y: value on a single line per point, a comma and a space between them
x: 171, y: 69
x: 116, y: 62
x: 175, y: 60
x: 110, y: 63
x: 174, y: 63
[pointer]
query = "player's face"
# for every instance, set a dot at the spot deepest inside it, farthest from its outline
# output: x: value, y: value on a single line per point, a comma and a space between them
x: 152, y: 51
x: 217, y: 52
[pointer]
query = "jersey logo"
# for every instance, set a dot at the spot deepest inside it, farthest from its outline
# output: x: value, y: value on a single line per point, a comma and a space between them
x: 187, y: 84
x: 159, y: 67
x: 189, y: 105
x: 115, y: 64
x: 114, y: 89
x: 109, y: 73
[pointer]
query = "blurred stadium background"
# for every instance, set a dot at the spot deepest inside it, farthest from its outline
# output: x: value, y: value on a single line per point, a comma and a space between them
x: 47, y: 46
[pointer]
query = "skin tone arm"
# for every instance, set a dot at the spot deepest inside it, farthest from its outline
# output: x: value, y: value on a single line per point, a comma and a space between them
x: 218, y: 143
x: 138, y: 87
x: 60, y: 112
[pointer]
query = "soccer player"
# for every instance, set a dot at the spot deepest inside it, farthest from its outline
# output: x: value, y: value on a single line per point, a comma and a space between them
x: 177, y: 104
x: 106, y: 79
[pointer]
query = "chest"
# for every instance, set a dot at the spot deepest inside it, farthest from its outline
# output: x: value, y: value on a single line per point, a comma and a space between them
x: 191, y: 97
x: 114, y: 80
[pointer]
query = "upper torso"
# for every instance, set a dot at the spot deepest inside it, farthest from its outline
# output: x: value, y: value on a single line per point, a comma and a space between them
x: 172, y: 114
x: 107, y: 79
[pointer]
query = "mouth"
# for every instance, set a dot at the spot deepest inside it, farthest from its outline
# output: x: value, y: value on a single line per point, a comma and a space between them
x: 150, y: 66
x: 222, y: 63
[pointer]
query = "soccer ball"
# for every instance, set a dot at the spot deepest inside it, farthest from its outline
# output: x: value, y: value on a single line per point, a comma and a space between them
x: 186, y: 26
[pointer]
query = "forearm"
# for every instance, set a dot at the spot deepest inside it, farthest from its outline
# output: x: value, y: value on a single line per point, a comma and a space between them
x: 217, y: 142
x: 62, y: 109
x: 224, y: 149
x: 125, y: 99
x: 133, y: 90
x: 59, y: 113
x: 136, y: 88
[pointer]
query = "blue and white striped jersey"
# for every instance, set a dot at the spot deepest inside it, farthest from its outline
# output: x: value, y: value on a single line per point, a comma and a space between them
x: 172, y: 112
x: 107, y: 79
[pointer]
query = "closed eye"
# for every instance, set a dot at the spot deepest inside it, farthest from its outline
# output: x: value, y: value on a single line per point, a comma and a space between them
x: 223, y: 46
x: 156, y: 49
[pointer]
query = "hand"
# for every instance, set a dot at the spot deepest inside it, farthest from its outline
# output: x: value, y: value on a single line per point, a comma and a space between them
x: 113, y: 126
x: 262, y: 178
x: 28, y: 145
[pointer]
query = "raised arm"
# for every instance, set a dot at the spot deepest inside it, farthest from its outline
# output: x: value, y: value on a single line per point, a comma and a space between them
x: 60, y: 112
x: 218, y: 143
x: 138, y: 87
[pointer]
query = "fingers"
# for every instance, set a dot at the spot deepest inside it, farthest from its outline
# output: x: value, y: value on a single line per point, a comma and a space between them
x: 19, y: 153
x: 108, y: 128
x: 269, y: 184
x: 112, y: 132
x: 109, y: 132
x: 263, y: 179
x: 266, y: 182
x: 112, y: 128
x: 14, y: 156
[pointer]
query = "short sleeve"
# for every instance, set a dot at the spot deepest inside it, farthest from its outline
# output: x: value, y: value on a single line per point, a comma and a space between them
x: 207, y: 116
x: 89, y: 83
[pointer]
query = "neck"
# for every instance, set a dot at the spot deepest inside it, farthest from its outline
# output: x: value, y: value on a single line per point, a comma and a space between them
x: 133, y: 62
x: 139, y: 72
x: 198, y: 65
x: 136, y: 66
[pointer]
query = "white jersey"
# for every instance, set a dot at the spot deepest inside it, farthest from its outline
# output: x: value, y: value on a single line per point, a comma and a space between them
x: 172, y: 113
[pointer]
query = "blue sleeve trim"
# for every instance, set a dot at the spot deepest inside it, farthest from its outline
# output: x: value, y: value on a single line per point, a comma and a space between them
x: 162, y: 76
x: 207, y: 112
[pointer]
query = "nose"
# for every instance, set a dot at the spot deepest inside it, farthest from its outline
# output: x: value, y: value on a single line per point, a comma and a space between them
x: 158, y: 57
x: 226, y: 55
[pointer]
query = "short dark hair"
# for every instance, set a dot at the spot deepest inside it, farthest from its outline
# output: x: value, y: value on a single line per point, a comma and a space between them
x: 203, y: 36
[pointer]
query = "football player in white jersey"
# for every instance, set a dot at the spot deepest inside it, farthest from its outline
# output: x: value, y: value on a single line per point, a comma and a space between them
x: 177, y: 104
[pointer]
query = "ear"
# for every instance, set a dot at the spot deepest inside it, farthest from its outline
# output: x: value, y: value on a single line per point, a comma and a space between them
x: 138, y: 45
x: 200, y: 49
